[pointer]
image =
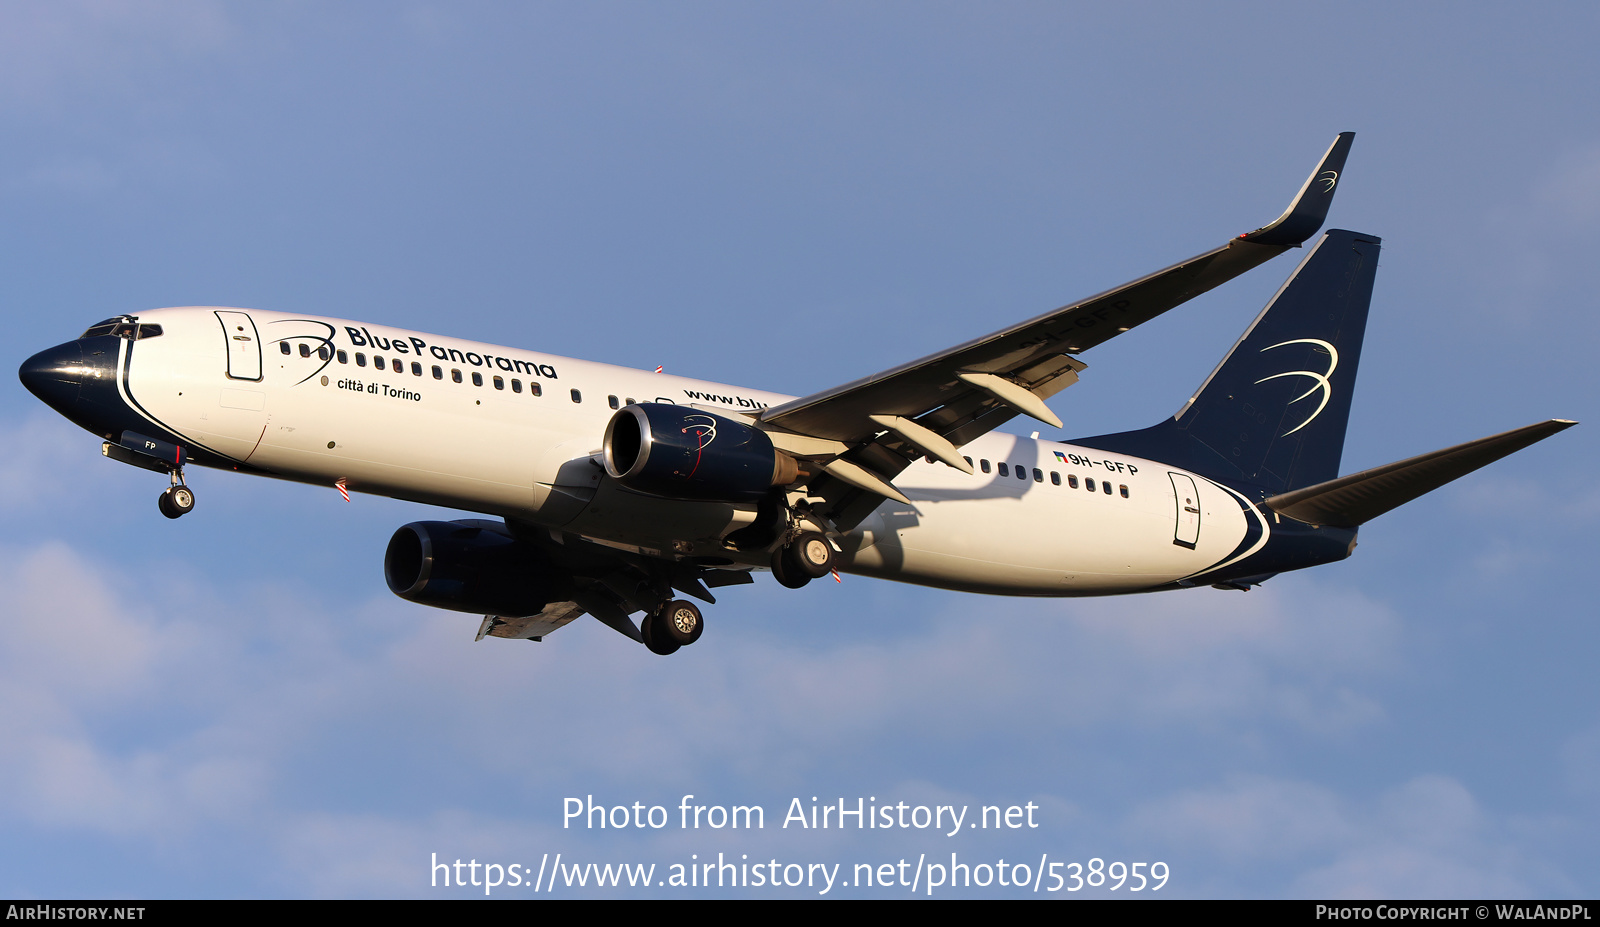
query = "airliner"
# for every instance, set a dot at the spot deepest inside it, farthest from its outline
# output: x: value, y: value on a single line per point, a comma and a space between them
x: 610, y: 491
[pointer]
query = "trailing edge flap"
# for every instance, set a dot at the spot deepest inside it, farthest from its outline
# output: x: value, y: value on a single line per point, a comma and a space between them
x: 555, y: 616
x: 608, y: 614
x: 969, y: 390
x: 718, y: 578
x: 1352, y: 500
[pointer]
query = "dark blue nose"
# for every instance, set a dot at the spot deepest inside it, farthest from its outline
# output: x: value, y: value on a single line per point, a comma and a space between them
x: 55, y: 375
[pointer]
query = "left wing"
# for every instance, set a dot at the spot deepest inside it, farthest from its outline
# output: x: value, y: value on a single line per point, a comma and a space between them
x: 608, y: 582
x: 865, y: 432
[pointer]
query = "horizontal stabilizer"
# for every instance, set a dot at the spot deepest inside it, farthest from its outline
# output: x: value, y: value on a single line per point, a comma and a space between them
x: 1353, y: 500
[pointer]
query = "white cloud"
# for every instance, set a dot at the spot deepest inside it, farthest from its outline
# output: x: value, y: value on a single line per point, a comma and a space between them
x: 1251, y: 818
x: 341, y: 750
x: 1425, y: 838
x: 50, y: 461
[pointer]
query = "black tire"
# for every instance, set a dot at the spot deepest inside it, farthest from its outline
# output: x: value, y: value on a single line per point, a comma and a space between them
x: 784, y: 573
x: 170, y: 505
x: 656, y: 639
x: 681, y: 622
x: 810, y: 555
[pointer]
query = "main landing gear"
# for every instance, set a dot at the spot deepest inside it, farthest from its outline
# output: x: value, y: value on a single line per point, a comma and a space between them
x: 177, y: 500
x: 673, y: 625
x: 807, y: 557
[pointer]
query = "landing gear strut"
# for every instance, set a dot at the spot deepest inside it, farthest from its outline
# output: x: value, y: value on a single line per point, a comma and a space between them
x: 177, y: 500
x: 673, y: 625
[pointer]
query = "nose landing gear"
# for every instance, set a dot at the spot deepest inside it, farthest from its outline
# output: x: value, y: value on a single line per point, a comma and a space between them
x: 177, y: 500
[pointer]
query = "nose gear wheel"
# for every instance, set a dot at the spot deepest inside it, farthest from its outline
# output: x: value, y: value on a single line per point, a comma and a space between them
x: 176, y: 500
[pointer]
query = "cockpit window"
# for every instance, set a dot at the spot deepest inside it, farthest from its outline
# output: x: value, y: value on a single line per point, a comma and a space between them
x: 122, y: 327
x: 148, y: 331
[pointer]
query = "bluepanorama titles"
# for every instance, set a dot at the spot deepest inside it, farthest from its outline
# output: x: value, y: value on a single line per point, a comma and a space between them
x: 361, y: 338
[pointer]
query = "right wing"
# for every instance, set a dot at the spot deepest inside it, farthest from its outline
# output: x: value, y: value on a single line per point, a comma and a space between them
x: 865, y: 432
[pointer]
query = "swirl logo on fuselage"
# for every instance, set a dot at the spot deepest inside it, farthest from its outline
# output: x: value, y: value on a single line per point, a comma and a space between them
x: 1319, y: 380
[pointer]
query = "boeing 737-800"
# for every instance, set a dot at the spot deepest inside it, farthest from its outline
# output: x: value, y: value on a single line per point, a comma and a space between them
x: 611, y: 488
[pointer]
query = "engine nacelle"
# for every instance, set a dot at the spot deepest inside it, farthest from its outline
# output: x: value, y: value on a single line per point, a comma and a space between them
x: 467, y: 568
x: 683, y: 453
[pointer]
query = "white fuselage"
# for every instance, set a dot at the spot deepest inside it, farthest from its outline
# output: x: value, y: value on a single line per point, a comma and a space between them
x: 521, y: 445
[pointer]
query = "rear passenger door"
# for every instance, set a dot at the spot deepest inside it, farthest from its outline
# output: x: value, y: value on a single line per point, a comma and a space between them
x: 1187, y: 497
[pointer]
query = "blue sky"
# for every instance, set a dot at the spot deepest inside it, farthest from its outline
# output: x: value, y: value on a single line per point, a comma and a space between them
x: 790, y: 196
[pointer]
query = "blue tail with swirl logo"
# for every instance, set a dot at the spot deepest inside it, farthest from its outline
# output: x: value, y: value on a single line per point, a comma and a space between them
x: 1273, y: 413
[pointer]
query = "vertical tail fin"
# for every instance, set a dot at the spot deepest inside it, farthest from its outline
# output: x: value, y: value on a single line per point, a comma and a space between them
x: 1274, y: 411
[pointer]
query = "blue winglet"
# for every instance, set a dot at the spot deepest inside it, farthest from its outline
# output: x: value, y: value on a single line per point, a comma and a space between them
x: 1310, y: 207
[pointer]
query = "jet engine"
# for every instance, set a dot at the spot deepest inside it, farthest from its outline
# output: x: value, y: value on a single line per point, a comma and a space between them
x: 683, y: 453
x: 468, y: 568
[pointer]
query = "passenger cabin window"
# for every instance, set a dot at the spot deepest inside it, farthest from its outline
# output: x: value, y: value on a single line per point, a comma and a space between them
x: 1089, y: 483
x: 438, y: 372
x: 1106, y: 487
x: 612, y: 400
x: 535, y: 389
x: 1072, y: 481
x: 399, y: 366
x: 305, y: 350
x: 283, y: 346
x: 629, y: 400
x: 516, y: 385
x: 1124, y: 490
x: 323, y: 353
x: 343, y: 357
x: 454, y: 373
x: 416, y: 369
x: 1022, y: 472
x: 1055, y: 478
x: 379, y: 362
x: 499, y: 383
x: 577, y: 396
x: 1038, y: 475
x: 983, y: 465
x: 361, y: 359
x: 477, y: 378
x: 1004, y: 471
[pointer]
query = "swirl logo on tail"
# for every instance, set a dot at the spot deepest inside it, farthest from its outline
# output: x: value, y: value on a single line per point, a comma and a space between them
x: 1319, y: 380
